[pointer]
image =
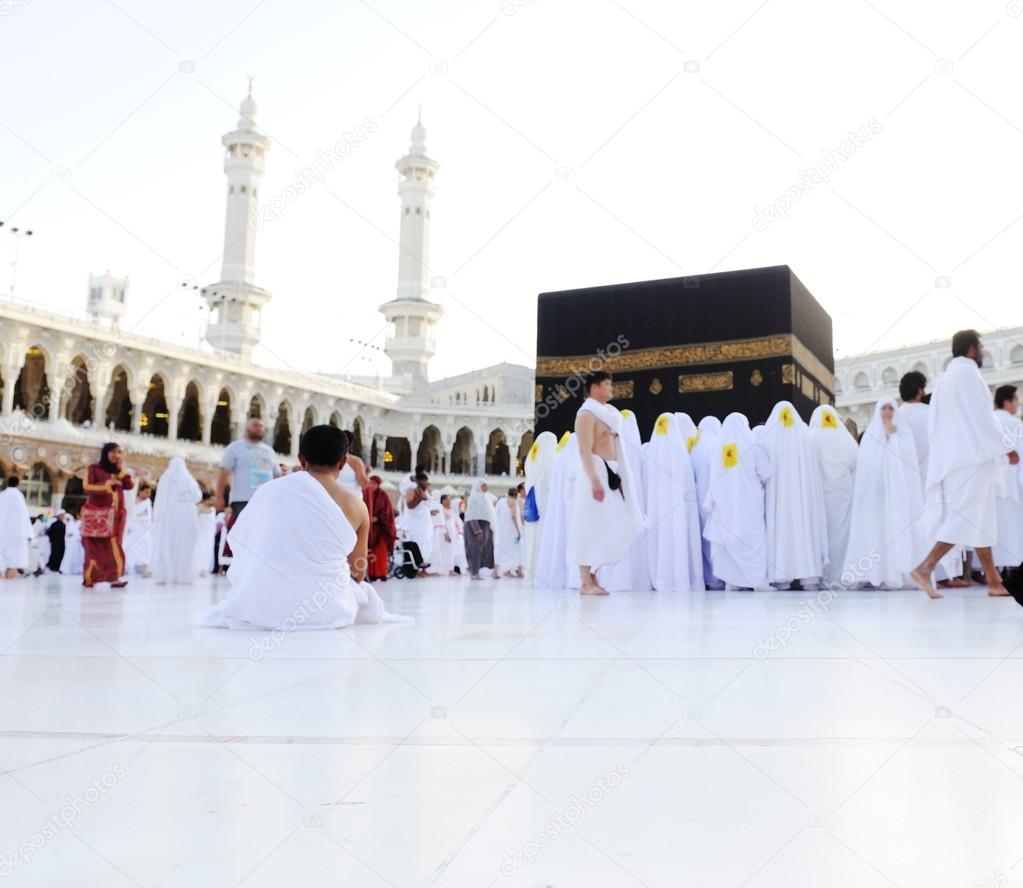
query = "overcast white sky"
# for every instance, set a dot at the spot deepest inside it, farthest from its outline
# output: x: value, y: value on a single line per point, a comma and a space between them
x: 677, y: 120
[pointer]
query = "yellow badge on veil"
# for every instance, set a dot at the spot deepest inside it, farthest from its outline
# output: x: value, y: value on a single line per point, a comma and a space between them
x: 563, y: 441
x: 729, y: 456
x: 691, y: 442
x: 829, y: 420
x: 626, y: 413
x: 661, y: 426
x: 786, y: 417
x: 533, y: 451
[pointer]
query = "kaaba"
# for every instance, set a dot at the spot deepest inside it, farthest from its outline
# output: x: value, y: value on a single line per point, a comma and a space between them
x: 707, y: 344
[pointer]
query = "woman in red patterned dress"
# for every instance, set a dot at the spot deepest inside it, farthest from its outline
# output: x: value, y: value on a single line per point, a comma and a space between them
x: 104, y: 487
x: 382, y: 532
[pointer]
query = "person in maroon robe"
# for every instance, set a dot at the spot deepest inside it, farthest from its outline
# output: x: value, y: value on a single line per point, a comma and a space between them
x: 104, y: 487
x: 382, y: 531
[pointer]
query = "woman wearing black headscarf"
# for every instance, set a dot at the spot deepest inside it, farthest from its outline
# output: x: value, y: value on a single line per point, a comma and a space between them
x: 103, y: 517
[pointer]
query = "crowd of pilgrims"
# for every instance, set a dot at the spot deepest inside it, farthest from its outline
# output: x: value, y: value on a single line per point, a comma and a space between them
x: 723, y: 505
x: 173, y: 531
x: 780, y: 505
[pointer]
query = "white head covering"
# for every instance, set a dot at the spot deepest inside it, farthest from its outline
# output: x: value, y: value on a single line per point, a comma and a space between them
x: 734, y: 506
x: 687, y: 430
x: 886, y: 534
x: 836, y: 451
x: 673, y: 519
x: 480, y: 506
x: 797, y: 538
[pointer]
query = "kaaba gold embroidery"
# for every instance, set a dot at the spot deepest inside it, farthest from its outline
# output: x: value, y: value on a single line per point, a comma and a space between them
x: 705, y: 382
x: 624, y: 389
x: 788, y: 374
x: 755, y: 378
x: 655, y: 387
x: 537, y: 393
x: 782, y: 345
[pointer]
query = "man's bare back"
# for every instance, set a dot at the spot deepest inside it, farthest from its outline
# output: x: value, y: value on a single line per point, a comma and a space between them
x: 356, y: 513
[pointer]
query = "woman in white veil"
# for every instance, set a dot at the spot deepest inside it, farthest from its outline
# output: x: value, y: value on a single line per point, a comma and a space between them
x: 836, y: 452
x: 708, y: 434
x: 736, y: 528
x: 175, y: 525
x: 886, y: 534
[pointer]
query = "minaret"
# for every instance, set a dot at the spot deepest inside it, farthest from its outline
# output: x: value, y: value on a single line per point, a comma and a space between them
x: 235, y: 300
x: 411, y: 316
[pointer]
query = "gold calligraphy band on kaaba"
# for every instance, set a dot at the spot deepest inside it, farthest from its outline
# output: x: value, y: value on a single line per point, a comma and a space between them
x: 624, y: 389
x: 705, y: 382
x: 780, y: 346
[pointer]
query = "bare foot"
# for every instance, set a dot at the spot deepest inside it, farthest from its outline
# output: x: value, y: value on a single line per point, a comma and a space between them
x: 592, y: 589
x: 923, y: 580
x: 998, y: 591
x: 476, y: 578
x: 960, y: 583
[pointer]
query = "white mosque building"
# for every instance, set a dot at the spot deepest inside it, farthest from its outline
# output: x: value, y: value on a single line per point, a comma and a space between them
x: 69, y: 384
x: 862, y: 380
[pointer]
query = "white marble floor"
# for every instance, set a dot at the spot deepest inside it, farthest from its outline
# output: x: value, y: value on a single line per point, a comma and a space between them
x: 513, y: 738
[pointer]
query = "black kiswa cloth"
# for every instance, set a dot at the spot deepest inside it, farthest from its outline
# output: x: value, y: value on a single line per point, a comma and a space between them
x: 1014, y: 583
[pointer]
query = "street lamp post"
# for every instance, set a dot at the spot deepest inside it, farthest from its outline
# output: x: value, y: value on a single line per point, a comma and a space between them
x: 19, y: 234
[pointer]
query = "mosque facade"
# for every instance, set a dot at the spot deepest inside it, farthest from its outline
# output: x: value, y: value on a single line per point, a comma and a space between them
x: 862, y: 380
x: 69, y: 384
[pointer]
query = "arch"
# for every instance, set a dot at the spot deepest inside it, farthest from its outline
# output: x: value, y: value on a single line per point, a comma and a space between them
x: 257, y: 407
x: 839, y: 386
x: 32, y: 390
x: 463, y: 452
x: 498, y: 457
x: 308, y: 420
x: 486, y: 397
x: 1016, y: 355
x: 861, y: 381
x: 335, y: 420
x: 190, y: 414
x: 78, y: 394
x: 430, y: 454
x: 220, y: 425
x: 374, y: 453
x: 921, y: 367
x: 890, y: 376
x: 397, y: 455
x: 155, y: 415
x: 38, y: 486
x: 119, y: 407
x: 282, y: 429
x: 74, y: 496
x: 358, y: 433
x: 520, y: 457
